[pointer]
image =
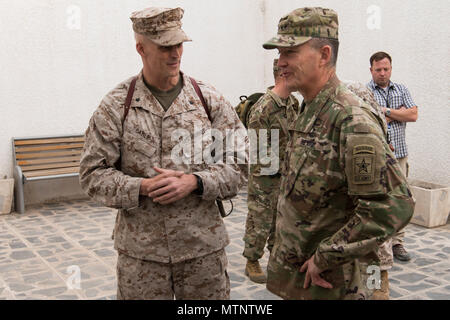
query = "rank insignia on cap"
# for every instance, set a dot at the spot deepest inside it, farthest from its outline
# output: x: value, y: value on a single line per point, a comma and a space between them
x: 363, y: 164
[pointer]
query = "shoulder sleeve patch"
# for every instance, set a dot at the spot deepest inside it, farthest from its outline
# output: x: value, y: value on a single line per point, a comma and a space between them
x: 365, y: 164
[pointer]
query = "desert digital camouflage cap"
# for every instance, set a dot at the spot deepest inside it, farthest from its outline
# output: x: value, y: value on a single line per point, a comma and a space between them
x: 301, y: 25
x: 161, y: 25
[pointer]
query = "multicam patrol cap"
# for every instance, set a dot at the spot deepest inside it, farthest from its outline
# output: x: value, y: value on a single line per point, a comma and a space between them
x: 276, y: 69
x: 301, y: 25
x: 161, y: 25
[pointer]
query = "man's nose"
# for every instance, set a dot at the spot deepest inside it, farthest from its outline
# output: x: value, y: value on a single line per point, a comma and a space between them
x: 281, y: 62
x: 176, y: 51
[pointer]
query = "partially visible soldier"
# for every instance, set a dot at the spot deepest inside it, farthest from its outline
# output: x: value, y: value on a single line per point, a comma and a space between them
x: 367, y: 96
x: 273, y: 111
x: 386, y: 260
x: 168, y: 232
x: 343, y: 193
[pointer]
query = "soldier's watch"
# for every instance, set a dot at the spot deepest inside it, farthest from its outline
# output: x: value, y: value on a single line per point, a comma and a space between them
x: 388, y: 112
x: 199, y: 190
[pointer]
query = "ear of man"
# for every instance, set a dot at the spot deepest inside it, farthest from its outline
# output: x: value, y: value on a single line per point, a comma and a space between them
x: 140, y: 44
x: 325, y: 56
x: 140, y: 49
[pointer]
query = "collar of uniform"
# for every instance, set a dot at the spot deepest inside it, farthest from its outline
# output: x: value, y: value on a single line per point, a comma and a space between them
x: 186, y: 101
x: 293, y: 103
x: 307, y: 118
x: 280, y: 102
x: 143, y: 98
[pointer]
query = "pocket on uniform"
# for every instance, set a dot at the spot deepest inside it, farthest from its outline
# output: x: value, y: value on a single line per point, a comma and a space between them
x: 144, y: 147
x: 296, y: 162
x: 139, y: 155
x: 195, y: 119
x: 223, y: 261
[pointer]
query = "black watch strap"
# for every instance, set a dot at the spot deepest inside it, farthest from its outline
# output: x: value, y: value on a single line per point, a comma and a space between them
x: 199, y: 190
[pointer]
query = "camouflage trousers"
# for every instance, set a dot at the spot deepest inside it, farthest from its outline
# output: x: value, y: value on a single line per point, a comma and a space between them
x: 203, y: 278
x: 259, y: 230
x: 286, y: 281
x: 385, y: 250
x: 263, y: 192
x: 386, y: 256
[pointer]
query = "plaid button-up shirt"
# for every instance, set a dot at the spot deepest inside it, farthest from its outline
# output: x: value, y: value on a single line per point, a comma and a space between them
x: 396, y: 96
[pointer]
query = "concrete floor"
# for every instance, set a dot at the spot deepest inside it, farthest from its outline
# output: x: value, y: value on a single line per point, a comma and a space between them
x: 42, y: 251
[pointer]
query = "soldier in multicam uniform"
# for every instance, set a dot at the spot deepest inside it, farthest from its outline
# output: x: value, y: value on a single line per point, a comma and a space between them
x: 273, y: 111
x: 343, y: 193
x: 169, y: 234
x: 386, y: 259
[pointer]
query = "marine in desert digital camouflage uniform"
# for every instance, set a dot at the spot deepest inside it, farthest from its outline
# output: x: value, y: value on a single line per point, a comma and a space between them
x: 343, y: 193
x: 273, y: 111
x: 367, y: 96
x: 169, y: 234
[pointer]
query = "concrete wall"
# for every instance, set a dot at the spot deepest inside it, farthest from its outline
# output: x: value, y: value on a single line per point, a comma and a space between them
x: 56, y: 68
x: 415, y: 33
x: 59, y: 58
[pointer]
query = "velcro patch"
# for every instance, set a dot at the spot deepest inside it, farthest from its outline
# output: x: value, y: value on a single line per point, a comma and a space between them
x: 363, y: 164
x: 361, y: 128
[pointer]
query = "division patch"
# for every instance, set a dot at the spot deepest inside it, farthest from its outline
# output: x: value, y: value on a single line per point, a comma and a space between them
x: 363, y: 164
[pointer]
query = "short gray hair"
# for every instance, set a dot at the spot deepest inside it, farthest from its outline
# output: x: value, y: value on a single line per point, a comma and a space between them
x: 140, y: 38
x: 318, y: 43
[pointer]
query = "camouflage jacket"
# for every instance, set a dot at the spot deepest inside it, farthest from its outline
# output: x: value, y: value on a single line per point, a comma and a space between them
x: 343, y: 195
x: 269, y: 113
x: 189, y: 228
x: 367, y: 96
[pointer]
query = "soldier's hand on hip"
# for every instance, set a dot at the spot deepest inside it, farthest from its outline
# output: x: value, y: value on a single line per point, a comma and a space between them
x: 313, y: 275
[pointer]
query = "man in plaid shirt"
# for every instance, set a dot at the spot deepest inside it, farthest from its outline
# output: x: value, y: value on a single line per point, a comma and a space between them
x: 399, y: 108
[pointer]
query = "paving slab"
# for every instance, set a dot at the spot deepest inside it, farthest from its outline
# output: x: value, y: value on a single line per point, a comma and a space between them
x: 64, y: 251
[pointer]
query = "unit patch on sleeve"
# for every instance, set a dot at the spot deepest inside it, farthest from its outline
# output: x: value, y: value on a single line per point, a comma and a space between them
x: 363, y: 164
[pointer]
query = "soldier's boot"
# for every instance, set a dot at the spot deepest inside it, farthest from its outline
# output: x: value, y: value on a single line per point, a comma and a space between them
x: 383, y: 292
x: 400, y: 253
x: 254, y: 272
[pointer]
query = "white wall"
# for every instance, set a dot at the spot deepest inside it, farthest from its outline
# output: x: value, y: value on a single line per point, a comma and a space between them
x: 416, y: 34
x: 53, y: 77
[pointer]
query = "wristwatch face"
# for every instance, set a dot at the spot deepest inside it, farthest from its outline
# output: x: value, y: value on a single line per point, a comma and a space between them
x: 388, y: 112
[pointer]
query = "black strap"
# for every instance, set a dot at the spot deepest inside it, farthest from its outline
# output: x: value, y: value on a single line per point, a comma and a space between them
x: 128, y: 100
x: 382, y: 92
x: 202, y: 99
x: 126, y: 109
x: 386, y: 99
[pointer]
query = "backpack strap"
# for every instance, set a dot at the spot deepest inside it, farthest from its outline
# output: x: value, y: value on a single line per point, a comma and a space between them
x: 202, y: 99
x: 129, y: 98
x: 126, y: 109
